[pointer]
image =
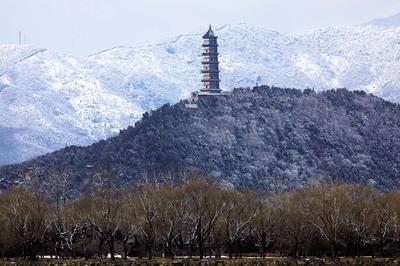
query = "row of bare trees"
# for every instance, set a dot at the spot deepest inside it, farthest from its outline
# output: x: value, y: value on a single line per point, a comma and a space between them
x: 199, y: 218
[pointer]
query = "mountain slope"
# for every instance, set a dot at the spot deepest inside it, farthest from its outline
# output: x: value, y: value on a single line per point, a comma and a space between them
x: 49, y: 100
x: 276, y: 138
x: 392, y: 21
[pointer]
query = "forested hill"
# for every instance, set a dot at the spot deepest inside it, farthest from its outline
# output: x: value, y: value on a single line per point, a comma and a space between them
x: 269, y: 137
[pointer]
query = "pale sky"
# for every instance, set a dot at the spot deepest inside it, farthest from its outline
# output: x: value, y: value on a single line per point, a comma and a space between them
x: 82, y: 27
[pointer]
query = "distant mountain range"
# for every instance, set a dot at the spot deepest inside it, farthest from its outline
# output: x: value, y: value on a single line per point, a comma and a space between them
x: 266, y: 137
x: 49, y: 100
x: 392, y: 21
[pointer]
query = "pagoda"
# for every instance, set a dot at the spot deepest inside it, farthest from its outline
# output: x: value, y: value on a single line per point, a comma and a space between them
x: 210, y: 70
x: 210, y: 64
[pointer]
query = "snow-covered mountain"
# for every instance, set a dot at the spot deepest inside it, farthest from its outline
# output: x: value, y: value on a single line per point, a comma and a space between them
x: 392, y: 21
x: 49, y: 100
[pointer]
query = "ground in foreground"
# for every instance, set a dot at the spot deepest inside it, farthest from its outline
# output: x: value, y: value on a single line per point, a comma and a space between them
x: 205, y: 262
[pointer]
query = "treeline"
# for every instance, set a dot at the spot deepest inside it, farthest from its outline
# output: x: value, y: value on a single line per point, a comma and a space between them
x: 199, y: 218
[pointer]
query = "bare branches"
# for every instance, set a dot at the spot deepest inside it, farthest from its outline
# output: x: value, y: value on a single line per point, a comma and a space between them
x: 198, y: 218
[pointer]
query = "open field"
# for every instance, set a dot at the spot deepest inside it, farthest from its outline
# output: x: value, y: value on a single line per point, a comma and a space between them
x: 205, y: 262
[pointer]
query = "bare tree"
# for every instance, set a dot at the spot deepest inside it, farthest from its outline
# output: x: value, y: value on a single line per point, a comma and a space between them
x: 358, y: 217
x: 27, y: 216
x: 203, y: 208
x: 294, y: 233
x: 145, y: 211
x: 383, y: 220
x: 170, y: 211
x: 65, y: 219
x: 104, y: 214
x: 237, y: 219
x: 324, y: 206
x: 264, y: 219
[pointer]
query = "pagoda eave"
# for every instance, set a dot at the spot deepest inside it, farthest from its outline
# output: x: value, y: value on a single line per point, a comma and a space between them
x: 210, y: 45
x: 209, y: 63
x: 210, y: 80
x: 209, y: 71
x: 207, y: 54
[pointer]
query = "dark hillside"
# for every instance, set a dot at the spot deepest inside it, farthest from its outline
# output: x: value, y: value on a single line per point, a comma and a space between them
x: 266, y: 137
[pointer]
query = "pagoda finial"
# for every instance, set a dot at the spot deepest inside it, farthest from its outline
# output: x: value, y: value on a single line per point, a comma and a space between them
x: 210, y: 27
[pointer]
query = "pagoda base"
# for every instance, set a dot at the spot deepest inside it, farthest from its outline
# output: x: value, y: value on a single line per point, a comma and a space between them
x: 192, y: 102
x: 211, y: 93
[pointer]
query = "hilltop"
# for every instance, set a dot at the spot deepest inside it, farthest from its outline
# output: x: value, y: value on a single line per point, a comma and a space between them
x: 264, y: 137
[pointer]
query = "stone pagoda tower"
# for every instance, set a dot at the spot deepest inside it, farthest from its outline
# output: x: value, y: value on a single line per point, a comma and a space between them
x: 210, y: 71
x: 210, y: 63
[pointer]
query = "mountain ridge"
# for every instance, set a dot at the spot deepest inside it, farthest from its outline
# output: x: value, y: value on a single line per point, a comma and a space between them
x: 391, y: 21
x: 51, y: 100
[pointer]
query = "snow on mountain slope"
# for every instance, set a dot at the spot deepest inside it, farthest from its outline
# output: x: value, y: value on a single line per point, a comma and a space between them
x: 359, y: 57
x: 172, y: 69
x: 49, y: 100
x: 392, y: 21
x: 364, y: 57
